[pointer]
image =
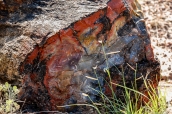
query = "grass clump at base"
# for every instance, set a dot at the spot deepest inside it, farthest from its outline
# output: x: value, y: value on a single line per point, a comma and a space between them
x: 134, y: 101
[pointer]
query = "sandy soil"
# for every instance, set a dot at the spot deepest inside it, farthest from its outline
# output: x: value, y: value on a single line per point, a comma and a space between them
x: 158, y: 16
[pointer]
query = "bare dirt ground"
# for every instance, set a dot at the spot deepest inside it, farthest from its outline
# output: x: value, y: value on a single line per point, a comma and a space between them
x: 158, y: 16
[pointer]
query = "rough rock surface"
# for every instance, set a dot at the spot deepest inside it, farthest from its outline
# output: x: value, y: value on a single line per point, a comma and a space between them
x: 64, y: 50
x: 23, y: 24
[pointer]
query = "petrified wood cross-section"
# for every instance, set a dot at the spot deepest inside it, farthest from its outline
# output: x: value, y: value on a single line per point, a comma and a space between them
x: 72, y: 63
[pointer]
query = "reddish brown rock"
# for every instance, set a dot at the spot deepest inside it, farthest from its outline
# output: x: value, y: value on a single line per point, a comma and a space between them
x: 70, y: 66
x: 30, y: 24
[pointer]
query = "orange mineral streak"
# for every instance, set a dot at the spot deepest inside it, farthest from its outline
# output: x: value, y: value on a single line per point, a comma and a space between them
x: 87, y: 30
x: 87, y: 22
x: 64, y: 53
x: 149, y: 52
x: 33, y: 55
x: 30, y: 57
x: 114, y: 8
x: 112, y: 36
x: 117, y: 6
x: 52, y: 39
x: 50, y: 47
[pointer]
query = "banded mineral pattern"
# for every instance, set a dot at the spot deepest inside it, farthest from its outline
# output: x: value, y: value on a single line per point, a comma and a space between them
x: 70, y: 67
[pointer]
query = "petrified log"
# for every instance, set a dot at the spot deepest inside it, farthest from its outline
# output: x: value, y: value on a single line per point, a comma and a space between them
x: 64, y: 68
